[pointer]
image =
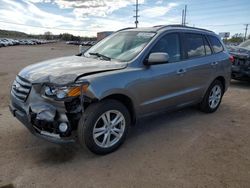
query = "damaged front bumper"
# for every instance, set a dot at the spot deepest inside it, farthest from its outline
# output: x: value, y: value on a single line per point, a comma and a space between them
x: 51, y: 137
x: 55, y: 121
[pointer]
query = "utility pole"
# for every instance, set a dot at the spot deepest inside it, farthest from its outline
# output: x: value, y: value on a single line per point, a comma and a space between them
x: 245, y: 38
x: 185, y: 14
x: 136, y: 14
x: 182, y: 17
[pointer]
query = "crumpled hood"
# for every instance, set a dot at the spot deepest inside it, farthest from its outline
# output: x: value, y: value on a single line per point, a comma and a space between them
x: 66, y: 69
x: 236, y: 50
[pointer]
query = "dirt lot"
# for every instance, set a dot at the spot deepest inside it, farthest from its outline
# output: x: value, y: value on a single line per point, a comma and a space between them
x: 180, y: 149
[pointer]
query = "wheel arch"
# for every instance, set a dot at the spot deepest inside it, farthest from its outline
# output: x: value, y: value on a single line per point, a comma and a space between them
x: 126, y: 101
x: 222, y: 80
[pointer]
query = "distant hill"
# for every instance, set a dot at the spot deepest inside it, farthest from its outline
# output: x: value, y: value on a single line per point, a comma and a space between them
x: 12, y: 34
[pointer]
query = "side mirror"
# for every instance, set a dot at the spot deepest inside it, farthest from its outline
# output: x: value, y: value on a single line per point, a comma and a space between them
x: 157, y: 58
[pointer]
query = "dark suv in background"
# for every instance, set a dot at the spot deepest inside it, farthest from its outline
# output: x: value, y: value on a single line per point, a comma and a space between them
x: 94, y: 97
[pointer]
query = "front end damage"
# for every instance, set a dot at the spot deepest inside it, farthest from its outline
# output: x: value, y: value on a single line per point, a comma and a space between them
x: 241, y: 66
x: 45, y: 117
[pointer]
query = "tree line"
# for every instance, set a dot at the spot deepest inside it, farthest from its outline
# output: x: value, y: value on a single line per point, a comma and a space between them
x: 236, y: 38
x: 67, y: 37
x: 47, y: 35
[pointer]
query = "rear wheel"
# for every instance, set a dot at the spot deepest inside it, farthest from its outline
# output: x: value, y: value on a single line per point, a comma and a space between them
x: 212, y: 98
x: 104, y: 126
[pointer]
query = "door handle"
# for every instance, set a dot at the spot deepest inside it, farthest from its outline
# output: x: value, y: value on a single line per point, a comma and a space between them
x: 181, y: 71
x: 214, y: 63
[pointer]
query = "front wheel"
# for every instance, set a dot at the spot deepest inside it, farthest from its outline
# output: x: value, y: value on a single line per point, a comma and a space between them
x: 212, y: 98
x: 104, y: 126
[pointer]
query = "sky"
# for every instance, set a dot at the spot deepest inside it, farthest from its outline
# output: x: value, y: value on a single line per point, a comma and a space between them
x: 87, y: 17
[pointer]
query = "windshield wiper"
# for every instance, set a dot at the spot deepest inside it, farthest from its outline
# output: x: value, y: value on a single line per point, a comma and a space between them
x: 100, y: 55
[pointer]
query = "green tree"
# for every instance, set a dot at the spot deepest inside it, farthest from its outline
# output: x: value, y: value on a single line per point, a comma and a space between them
x: 236, y: 38
x: 48, y: 35
x: 66, y: 36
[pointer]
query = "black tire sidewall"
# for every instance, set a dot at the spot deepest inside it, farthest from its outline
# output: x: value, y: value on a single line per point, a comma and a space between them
x: 205, y: 107
x: 89, y: 118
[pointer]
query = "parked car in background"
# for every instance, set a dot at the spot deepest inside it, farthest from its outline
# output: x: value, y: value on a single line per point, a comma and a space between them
x: 84, y: 43
x: 14, y: 41
x: 11, y: 42
x: 73, y: 42
x: 241, y: 61
x: 36, y: 41
x: 95, y: 96
x: 8, y: 42
x: 4, y: 43
x: 23, y: 42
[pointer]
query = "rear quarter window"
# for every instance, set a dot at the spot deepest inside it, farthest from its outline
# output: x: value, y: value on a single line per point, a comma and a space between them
x: 215, y: 43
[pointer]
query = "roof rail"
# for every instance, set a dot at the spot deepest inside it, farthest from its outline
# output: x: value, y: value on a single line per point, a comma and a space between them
x: 125, y: 28
x: 179, y: 25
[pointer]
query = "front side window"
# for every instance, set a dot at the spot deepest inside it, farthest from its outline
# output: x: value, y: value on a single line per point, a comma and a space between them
x: 216, y: 44
x: 195, y: 46
x: 122, y: 46
x: 169, y: 44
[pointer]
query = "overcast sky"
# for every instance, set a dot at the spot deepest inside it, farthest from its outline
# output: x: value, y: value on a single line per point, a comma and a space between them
x: 86, y: 17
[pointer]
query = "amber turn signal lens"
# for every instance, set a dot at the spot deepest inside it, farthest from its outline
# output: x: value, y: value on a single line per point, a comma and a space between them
x: 76, y: 91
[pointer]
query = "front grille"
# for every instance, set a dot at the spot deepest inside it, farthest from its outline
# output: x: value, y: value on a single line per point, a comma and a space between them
x: 21, y: 88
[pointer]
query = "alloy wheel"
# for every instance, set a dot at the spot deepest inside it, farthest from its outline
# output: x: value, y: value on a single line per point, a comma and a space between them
x: 109, y: 128
x: 215, y: 96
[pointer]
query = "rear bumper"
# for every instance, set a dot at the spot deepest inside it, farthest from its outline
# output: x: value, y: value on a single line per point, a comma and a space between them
x: 25, y: 120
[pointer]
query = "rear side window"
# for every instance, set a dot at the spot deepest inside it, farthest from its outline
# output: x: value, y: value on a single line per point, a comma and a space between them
x: 194, y: 45
x: 215, y: 43
x: 170, y: 44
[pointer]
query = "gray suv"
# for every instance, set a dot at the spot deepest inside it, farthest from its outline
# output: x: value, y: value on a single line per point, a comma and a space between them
x: 95, y: 96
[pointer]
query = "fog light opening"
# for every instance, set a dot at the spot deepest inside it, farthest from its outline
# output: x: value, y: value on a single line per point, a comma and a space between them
x: 63, y: 127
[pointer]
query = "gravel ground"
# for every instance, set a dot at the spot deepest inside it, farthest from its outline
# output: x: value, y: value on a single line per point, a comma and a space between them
x: 186, y: 148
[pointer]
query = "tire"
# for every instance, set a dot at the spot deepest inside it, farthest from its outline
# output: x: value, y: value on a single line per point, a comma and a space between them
x: 93, y: 123
x: 207, y: 105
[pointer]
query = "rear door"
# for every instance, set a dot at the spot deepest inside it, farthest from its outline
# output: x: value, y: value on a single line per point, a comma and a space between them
x: 200, y: 65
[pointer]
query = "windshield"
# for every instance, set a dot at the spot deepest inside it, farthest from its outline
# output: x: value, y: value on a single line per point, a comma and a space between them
x: 122, y: 46
x: 245, y: 44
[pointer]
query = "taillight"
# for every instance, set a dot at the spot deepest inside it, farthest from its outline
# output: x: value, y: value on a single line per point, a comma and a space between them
x: 231, y: 58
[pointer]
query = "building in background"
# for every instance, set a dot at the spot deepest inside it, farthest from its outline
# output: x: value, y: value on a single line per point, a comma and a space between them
x: 103, y: 34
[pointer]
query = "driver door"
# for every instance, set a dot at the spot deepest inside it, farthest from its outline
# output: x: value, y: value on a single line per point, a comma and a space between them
x: 164, y: 84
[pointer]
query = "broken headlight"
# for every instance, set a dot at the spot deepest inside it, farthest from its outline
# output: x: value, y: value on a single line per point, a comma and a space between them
x: 61, y: 92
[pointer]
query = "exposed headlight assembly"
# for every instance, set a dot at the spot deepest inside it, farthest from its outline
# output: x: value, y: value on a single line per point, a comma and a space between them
x: 61, y: 92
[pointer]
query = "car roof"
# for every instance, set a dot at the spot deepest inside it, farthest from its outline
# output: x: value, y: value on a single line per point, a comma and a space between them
x: 162, y: 28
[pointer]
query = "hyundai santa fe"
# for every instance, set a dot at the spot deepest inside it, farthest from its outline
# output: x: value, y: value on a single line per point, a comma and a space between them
x: 94, y: 97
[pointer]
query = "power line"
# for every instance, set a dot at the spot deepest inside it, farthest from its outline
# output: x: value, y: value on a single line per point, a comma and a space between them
x: 224, y: 25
